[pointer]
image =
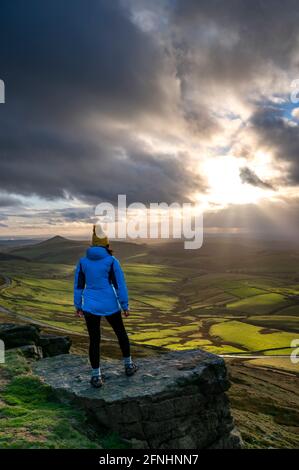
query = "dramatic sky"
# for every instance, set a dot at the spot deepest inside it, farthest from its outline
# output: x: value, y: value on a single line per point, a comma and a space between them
x: 161, y: 100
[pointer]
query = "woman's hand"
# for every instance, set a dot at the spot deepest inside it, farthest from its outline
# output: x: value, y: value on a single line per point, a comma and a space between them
x: 79, y: 313
x: 126, y: 313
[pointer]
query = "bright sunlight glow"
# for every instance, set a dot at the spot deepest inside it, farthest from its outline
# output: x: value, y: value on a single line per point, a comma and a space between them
x: 225, y: 185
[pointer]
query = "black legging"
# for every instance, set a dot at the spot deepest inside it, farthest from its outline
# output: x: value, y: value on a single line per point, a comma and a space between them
x: 93, y: 323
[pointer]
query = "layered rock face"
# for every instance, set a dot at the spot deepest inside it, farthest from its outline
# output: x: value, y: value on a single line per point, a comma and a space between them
x: 32, y: 343
x: 176, y: 400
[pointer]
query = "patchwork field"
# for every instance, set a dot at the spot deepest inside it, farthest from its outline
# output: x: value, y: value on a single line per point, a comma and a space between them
x: 219, y: 299
x: 172, y: 306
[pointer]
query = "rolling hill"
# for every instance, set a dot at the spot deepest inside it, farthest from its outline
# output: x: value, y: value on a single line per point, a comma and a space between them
x: 11, y: 257
x: 229, y: 255
x: 217, y: 254
x: 65, y: 251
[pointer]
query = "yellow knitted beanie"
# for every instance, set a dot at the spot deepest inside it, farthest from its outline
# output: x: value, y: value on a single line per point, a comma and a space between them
x: 101, y: 240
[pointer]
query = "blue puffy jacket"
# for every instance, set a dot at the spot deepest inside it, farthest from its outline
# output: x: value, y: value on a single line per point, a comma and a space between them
x: 100, y: 285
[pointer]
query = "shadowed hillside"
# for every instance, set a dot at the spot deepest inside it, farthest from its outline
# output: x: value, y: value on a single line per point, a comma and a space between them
x: 217, y: 254
x: 65, y: 251
x: 11, y: 257
x: 223, y: 254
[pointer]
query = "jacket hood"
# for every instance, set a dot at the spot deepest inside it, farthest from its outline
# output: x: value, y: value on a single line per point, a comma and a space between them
x: 96, y: 253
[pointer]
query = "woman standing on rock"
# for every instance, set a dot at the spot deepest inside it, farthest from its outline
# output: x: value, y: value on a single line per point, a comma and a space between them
x: 100, y: 291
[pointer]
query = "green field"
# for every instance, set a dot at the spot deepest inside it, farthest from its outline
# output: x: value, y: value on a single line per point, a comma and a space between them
x: 250, y: 337
x: 218, y: 299
x: 264, y: 303
x: 174, y: 304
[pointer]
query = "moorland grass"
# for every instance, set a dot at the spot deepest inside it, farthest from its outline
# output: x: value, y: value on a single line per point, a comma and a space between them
x: 32, y: 417
x: 279, y: 363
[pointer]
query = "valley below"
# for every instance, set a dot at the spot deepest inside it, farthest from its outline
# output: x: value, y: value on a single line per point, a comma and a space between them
x: 236, y: 298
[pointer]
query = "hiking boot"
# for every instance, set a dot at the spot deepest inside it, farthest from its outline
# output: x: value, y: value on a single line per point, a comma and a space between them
x: 131, y: 369
x: 96, y: 382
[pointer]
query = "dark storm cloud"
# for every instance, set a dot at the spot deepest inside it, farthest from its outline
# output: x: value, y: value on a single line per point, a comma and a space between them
x: 239, y: 35
x: 9, y: 201
x: 62, y: 62
x: 51, y: 216
x: 281, y: 137
x: 73, y: 56
x: 75, y: 214
x: 49, y: 165
x: 249, y: 176
x: 70, y: 214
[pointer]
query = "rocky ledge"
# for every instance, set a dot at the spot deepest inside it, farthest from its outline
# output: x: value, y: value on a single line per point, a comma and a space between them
x: 176, y: 400
x: 32, y: 342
